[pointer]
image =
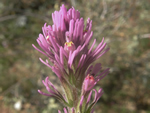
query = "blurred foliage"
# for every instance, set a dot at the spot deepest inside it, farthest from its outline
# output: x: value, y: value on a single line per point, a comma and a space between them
x: 125, y: 24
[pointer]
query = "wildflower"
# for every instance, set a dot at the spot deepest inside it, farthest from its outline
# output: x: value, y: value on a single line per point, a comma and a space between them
x: 66, y: 44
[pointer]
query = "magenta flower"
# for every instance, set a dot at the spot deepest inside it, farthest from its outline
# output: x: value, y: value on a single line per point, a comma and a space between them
x: 66, y: 44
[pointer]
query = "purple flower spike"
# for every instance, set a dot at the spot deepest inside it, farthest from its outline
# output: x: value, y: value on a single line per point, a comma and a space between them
x: 69, y: 27
x: 66, y: 44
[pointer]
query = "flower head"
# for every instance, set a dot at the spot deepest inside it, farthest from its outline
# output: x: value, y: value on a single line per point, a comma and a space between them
x: 66, y: 44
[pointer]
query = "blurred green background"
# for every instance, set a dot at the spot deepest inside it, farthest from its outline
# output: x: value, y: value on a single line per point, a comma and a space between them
x: 125, y: 24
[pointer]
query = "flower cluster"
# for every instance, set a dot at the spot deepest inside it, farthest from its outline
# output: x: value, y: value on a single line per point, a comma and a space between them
x: 66, y: 44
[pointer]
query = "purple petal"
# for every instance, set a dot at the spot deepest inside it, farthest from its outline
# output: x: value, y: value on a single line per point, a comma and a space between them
x: 92, y: 46
x: 59, y: 111
x: 99, y: 50
x: 92, y: 111
x: 65, y: 110
x: 99, y: 45
x: 95, y: 97
x: 96, y: 69
x: 39, y: 50
x: 61, y: 56
x: 89, y: 97
x: 45, y: 94
x: 89, y: 69
x: 102, y: 53
x: 105, y: 72
x: 81, y: 102
x: 45, y: 63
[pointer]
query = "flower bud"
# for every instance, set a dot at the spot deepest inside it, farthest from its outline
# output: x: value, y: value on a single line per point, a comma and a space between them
x: 89, y: 83
x: 69, y: 46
